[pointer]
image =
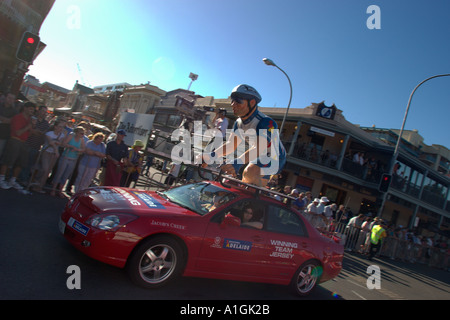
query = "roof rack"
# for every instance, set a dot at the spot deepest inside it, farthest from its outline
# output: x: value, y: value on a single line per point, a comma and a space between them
x: 224, y: 180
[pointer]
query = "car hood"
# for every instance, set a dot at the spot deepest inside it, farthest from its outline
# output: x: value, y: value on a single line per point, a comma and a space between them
x: 125, y: 200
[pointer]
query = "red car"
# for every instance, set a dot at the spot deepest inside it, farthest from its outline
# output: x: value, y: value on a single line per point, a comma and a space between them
x: 206, y: 229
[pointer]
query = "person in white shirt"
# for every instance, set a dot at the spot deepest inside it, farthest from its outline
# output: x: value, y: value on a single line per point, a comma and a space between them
x: 323, y: 202
x: 49, y: 154
x: 221, y: 122
x: 173, y: 173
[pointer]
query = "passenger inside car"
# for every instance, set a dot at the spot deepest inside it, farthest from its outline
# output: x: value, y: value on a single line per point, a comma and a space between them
x: 248, y: 218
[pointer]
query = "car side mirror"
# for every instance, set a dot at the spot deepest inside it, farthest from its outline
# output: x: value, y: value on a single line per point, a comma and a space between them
x: 231, y: 220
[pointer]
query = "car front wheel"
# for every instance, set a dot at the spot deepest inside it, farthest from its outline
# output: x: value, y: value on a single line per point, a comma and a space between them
x: 306, y: 278
x: 155, y: 262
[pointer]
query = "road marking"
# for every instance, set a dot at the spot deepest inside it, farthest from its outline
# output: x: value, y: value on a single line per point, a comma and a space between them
x: 356, y: 293
x: 383, y: 291
x: 357, y: 284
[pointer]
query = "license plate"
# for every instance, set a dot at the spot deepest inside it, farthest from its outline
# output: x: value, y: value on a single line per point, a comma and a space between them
x: 78, y: 226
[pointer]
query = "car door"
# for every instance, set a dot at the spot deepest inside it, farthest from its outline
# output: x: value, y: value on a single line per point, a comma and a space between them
x: 287, y: 245
x: 230, y: 248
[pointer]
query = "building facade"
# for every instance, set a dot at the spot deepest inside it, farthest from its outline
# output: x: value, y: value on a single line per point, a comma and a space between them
x: 48, y: 94
x: 141, y: 98
x: 323, y: 149
x: 16, y: 17
x: 112, y: 87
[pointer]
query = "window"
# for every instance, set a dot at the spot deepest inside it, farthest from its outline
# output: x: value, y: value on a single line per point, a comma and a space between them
x: 161, y: 118
x: 198, y: 197
x: 284, y: 221
x: 250, y: 214
x: 173, y: 121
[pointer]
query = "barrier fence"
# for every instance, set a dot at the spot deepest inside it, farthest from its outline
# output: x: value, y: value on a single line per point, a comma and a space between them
x: 358, y: 240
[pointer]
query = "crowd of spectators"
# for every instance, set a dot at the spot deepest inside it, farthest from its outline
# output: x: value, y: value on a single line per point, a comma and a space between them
x: 44, y: 153
x: 354, y: 230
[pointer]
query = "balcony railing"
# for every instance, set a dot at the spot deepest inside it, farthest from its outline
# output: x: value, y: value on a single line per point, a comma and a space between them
x: 367, y: 174
x: 324, y: 158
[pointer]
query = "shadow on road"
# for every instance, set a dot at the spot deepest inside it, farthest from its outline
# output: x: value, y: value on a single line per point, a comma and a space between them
x: 356, y: 265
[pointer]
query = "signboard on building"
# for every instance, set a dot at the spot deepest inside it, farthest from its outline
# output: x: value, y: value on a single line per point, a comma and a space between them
x: 137, y: 126
x: 322, y: 131
x: 326, y: 112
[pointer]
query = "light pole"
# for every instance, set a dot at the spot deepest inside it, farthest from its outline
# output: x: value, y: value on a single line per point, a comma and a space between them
x: 271, y: 63
x: 397, y: 145
x: 193, y: 77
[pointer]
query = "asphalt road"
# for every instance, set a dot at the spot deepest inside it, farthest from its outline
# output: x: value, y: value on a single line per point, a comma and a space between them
x: 35, y: 259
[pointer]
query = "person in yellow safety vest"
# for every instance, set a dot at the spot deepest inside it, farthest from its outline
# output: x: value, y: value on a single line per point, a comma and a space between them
x: 378, y: 233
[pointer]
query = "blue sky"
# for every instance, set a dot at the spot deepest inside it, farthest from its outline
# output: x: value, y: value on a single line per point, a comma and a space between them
x: 324, y: 46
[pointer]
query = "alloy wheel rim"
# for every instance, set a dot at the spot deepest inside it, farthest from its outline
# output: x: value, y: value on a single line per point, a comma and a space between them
x: 157, y: 264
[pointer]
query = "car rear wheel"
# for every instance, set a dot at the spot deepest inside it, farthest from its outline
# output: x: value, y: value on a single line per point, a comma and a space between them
x: 156, y: 262
x: 306, y: 278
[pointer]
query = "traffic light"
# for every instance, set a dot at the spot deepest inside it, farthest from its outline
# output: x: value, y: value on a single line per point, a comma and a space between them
x: 385, y: 182
x: 27, y: 47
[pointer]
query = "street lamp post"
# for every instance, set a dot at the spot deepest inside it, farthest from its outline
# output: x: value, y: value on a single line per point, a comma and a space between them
x: 193, y: 77
x: 397, y: 145
x: 271, y: 63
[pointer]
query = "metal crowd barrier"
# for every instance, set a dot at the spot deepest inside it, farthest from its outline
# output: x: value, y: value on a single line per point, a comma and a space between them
x: 357, y: 240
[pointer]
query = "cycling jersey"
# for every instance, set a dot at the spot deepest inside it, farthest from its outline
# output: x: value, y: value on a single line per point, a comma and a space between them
x: 263, y: 127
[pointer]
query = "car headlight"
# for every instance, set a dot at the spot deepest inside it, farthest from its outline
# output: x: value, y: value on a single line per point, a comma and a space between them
x: 110, y: 222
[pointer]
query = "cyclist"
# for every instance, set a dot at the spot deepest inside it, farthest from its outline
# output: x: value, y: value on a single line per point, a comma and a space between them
x: 266, y: 154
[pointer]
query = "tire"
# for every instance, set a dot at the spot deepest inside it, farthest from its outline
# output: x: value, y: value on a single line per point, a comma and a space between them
x: 156, y: 262
x: 306, y: 278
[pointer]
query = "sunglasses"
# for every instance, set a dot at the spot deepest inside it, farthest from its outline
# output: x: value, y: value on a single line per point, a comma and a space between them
x: 237, y: 100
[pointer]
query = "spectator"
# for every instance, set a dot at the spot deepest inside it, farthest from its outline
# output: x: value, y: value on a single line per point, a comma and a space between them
x: 313, y: 214
x: 364, y: 237
x: 134, y: 167
x: 16, y: 150
x: 294, y: 194
x: 340, y: 214
x: 312, y: 207
x: 73, y: 177
x: 287, y: 189
x: 378, y: 233
x: 7, y: 111
x: 353, y: 229
x: 116, y: 158
x: 301, y: 202
x: 148, y: 164
x: 328, y: 211
x: 276, y: 196
x: 174, y: 171
x: 392, y: 241
x: 372, y: 166
x: 74, y: 146
x: 323, y: 202
x: 90, y: 163
x: 49, y: 154
x: 356, y: 157
x: 221, y: 122
x: 35, y: 142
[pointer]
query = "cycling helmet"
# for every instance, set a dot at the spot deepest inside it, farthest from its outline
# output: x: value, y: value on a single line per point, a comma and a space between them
x: 246, y: 92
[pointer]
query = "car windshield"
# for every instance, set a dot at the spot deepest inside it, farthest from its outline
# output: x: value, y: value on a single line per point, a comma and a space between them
x: 199, y: 197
